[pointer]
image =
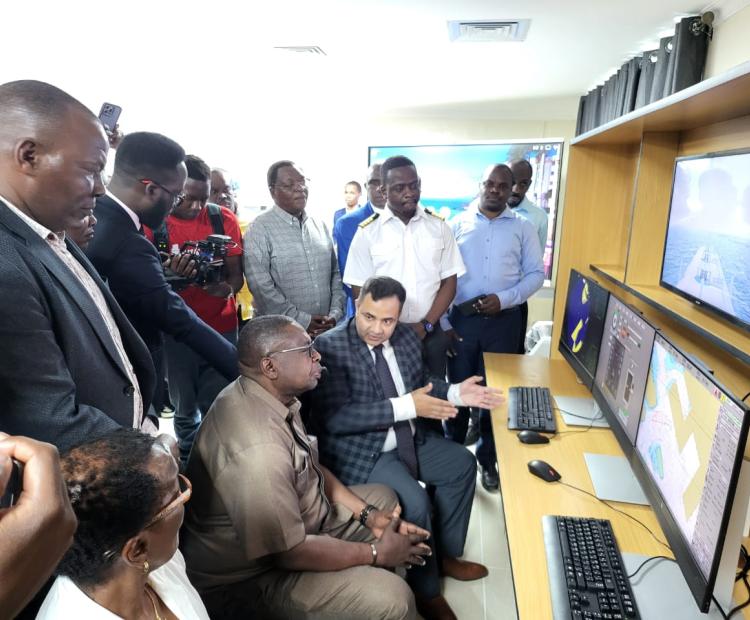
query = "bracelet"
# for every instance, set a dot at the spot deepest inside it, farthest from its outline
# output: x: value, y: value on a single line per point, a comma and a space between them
x: 374, y: 554
x: 365, y: 514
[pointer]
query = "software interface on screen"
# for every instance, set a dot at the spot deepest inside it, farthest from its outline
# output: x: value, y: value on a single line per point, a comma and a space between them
x: 585, y: 310
x: 708, y: 238
x: 623, y: 363
x: 688, y: 439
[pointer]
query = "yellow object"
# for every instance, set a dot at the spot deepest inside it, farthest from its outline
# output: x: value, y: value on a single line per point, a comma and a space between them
x: 244, y: 297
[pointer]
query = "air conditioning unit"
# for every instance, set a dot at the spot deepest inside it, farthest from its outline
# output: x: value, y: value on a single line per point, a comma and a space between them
x: 489, y: 31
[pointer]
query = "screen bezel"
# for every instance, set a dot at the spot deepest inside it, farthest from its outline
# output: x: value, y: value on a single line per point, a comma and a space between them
x: 610, y: 415
x: 700, y: 587
x: 581, y: 372
x: 730, y: 318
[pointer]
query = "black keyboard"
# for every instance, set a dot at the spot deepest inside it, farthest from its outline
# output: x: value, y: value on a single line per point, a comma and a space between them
x: 530, y: 408
x: 587, y: 578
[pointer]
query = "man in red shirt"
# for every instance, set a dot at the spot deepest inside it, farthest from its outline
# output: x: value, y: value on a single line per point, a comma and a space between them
x: 193, y: 383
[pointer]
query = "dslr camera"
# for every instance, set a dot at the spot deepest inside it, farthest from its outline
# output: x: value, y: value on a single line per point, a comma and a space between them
x: 209, y: 255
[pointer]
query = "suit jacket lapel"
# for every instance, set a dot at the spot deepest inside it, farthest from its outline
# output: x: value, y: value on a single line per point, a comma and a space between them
x: 68, y: 280
x: 404, y: 359
x: 362, y: 351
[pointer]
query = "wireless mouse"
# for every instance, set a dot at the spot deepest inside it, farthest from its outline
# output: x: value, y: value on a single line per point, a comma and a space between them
x: 544, y: 470
x: 529, y: 436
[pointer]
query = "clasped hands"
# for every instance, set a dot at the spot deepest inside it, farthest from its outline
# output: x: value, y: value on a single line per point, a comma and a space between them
x: 399, y: 543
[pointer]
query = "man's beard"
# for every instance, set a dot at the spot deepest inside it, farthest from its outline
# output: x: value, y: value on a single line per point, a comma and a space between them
x: 154, y: 217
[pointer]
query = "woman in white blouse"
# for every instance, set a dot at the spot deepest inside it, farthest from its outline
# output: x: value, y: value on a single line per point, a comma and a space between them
x: 129, y: 499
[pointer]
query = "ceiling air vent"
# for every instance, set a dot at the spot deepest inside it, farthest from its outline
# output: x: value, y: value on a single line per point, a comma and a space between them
x: 302, y: 49
x: 490, y: 30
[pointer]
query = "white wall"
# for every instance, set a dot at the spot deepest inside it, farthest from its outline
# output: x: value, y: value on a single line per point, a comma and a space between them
x: 730, y: 45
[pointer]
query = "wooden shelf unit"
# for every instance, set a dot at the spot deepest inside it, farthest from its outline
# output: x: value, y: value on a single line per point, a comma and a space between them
x: 617, y: 205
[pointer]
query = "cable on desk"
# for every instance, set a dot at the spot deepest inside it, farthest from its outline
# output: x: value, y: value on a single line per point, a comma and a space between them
x: 744, y: 398
x: 622, y: 512
x: 646, y: 561
x: 599, y: 416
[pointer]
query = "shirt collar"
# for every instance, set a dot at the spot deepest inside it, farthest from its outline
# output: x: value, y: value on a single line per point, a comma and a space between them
x: 387, y: 214
x: 386, y: 346
x: 253, y: 387
x: 506, y: 214
x: 288, y: 217
x: 131, y: 214
x: 38, y: 228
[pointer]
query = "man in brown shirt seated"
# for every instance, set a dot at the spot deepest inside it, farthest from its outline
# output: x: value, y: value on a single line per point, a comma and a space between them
x: 271, y: 533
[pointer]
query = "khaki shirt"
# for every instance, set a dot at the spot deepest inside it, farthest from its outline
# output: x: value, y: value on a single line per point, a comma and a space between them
x: 257, y: 489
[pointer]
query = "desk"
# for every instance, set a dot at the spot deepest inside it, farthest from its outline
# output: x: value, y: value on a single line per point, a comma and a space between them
x: 526, y: 498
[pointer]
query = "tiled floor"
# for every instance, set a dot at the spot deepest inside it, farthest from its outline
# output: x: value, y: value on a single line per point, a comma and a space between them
x: 491, y: 598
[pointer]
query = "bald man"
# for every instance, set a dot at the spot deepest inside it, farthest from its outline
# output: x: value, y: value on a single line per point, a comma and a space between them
x: 72, y: 366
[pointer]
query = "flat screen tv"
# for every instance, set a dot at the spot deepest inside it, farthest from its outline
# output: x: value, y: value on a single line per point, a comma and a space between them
x: 451, y: 174
x: 707, y: 248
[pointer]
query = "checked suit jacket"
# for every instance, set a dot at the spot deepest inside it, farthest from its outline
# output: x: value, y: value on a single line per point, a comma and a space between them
x: 350, y: 413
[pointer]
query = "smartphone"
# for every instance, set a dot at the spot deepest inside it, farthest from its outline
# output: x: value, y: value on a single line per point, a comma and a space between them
x: 109, y: 115
x: 14, y: 486
x: 467, y: 308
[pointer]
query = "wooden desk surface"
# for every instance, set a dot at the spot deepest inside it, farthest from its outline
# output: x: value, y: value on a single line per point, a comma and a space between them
x: 526, y: 498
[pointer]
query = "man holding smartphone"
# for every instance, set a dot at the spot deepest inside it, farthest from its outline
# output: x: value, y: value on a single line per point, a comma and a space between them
x: 503, y: 269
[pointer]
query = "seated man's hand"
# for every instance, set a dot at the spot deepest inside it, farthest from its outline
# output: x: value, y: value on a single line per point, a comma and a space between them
x: 182, y: 265
x: 428, y: 406
x: 380, y: 519
x: 489, y: 305
x: 475, y: 395
x: 396, y: 549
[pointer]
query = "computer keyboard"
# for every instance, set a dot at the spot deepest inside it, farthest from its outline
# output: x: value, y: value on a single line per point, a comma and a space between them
x: 586, y: 574
x: 530, y: 408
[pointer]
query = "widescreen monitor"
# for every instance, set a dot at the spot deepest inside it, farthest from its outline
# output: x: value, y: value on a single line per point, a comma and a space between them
x: 583, y: 323
x: 622, y: 370
x: 690, y: 443
x: 707, y: 248
x: 451, y: 174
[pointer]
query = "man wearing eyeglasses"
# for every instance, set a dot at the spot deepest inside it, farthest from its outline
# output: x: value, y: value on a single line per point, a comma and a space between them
x: 270, y: 532
x: 503, y: 269
x: 290, y: 264
x: 148, y: 181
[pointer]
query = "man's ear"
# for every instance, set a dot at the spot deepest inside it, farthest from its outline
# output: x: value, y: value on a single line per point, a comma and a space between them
x: 135, y: 551
x: 27, y: 155
x: 268, y: 368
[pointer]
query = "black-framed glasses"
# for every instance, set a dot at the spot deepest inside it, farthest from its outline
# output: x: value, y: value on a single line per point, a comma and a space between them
x: 310, y: 348
x: 176, y: 198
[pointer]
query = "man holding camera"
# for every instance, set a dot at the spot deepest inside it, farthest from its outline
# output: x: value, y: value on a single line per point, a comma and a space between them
x: 193, y: 382
x: 148, y: 180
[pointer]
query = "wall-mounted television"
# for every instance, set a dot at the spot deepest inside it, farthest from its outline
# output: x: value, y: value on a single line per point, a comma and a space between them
x: 707, y: 247
x: 451, y: 174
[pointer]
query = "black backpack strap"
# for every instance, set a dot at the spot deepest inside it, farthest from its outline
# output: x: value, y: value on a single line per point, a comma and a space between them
x: 161, y: 238
x: 217, y: 222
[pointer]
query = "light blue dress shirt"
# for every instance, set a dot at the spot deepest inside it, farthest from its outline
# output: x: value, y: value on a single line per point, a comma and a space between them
x: 502, y: 256
x: 537, y: 216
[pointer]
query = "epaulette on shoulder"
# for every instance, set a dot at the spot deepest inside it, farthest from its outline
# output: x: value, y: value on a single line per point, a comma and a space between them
x: 433, y: 214
x: 369, y: 220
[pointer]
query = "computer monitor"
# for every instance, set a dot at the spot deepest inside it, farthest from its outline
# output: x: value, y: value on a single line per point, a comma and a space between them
x: 581, y: 335
x: 690, y: 444
x: 621, y: 373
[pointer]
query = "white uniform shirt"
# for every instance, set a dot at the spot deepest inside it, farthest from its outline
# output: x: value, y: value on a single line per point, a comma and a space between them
x: 419, y: 255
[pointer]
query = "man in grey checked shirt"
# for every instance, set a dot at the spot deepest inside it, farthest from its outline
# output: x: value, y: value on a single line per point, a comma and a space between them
x: 290, y: 265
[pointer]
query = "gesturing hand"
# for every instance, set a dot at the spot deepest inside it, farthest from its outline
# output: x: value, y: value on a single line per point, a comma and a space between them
x: 428, y: 406
x: 475, y: 395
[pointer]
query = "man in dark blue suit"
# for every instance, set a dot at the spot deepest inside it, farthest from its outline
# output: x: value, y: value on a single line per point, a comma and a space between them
x: 370, y: 415
x: 346, y: 226
x: 148, y: 180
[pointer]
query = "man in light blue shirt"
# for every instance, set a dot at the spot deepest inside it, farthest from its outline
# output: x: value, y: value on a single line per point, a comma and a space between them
x: 504, y: 265
x: 521, y: 205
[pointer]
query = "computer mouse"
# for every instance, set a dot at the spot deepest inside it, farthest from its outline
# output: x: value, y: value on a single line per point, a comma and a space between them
x: 544, y: 470
x: 529, y: 436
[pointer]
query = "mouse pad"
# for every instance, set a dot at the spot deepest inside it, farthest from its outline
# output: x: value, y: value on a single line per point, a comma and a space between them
x: 613, y: 479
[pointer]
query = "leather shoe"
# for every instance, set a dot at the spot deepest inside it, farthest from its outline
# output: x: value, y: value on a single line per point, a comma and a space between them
x: 490, y: 479
x: 435, y: 608
x: 463, y: 570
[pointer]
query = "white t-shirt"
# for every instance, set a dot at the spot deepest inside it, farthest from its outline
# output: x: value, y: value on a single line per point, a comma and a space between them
x: 65, y: 600
x: 419, y: 255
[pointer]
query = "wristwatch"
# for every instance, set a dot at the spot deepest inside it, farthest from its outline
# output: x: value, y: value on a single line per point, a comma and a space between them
x: 428, y: 327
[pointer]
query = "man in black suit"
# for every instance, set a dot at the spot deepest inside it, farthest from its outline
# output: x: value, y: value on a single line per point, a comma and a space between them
x: 72, y: 366
x: 148, y: 180
x: 371, y: 413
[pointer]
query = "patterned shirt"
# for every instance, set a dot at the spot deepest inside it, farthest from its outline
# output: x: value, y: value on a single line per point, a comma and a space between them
x: 291, y: 268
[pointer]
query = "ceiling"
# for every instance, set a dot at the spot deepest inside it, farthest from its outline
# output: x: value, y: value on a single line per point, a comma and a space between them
x: 384, y: 56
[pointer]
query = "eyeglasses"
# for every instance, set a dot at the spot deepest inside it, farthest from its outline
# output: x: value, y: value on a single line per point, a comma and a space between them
x: 308, y: 347
x: 176, y: 198
x: 290, y: 187
x: 186, y: 490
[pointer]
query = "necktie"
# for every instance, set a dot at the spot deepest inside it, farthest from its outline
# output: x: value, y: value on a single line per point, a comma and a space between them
x: 404, y: 438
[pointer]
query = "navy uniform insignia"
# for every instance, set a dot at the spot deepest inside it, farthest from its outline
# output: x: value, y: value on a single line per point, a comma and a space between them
x: 369, y: 220
x: 433, y: 214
